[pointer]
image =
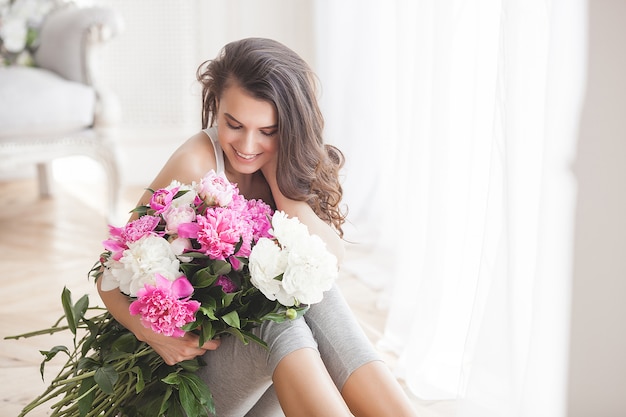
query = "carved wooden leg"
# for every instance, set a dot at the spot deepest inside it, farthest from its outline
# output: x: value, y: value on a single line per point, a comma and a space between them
x: 43, y: 179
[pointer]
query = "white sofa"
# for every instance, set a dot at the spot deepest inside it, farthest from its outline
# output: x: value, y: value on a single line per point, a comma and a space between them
x: 58, y: 108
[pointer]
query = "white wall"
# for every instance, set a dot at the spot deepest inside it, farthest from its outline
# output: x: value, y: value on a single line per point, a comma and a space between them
x: 597, y: 383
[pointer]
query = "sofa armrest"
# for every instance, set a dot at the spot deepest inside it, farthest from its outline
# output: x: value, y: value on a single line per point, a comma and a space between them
x: 68, y: 37
x: 69, y: 40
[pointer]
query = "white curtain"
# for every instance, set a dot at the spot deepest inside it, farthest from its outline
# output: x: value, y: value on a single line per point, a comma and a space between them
x: 459, y: 120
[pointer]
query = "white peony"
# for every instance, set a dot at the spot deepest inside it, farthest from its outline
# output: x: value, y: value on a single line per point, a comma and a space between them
x: 311, y: 270
x: 138, y: 265
x: 266, y: 262
x: 179, y: 246
x: 175, y: 216
x: 186, y: 199
x: 308, y: 268
x: 288, y: 231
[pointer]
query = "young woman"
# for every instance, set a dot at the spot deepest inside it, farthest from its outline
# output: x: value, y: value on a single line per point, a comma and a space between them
x: 262, y: 127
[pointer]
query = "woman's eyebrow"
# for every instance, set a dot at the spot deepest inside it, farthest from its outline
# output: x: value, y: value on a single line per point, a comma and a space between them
x: 232, y: 118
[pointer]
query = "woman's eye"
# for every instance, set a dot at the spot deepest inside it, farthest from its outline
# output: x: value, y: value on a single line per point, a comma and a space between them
x: 270, y: 133
x: 232, y: 126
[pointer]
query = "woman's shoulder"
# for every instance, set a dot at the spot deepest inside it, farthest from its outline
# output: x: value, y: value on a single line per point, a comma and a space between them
x: 189, y: 162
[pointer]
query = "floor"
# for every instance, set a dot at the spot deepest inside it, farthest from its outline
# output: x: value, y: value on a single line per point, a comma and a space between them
x: 50, y: 243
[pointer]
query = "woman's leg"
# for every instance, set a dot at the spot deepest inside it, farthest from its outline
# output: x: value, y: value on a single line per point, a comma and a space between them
x: 372, y: 390
x: 365, y: 382
x: 267, y: 406
x: 304, y: 387
x: 236, y: 375
x: 239, y: 375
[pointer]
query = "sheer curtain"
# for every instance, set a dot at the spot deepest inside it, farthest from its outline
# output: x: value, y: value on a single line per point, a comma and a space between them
x: 459, y: 119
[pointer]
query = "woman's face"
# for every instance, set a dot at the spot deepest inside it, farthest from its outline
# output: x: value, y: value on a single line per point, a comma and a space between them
x: 247, y: 130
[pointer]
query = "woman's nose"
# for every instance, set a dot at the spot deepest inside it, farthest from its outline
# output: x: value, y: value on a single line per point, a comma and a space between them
x: 247, y: 144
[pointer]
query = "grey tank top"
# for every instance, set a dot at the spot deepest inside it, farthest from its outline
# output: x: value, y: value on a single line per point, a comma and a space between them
x: 211, y: 132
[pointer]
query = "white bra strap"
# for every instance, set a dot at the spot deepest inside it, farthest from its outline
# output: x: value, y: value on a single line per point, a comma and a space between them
x: 211, y: 132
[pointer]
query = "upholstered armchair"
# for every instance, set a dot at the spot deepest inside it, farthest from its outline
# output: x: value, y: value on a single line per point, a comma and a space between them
x: 58, y: 108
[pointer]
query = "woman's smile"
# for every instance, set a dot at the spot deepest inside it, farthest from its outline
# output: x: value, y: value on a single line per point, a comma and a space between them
x: 247, y: 157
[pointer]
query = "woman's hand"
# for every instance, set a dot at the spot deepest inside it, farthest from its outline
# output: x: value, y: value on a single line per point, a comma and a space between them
x: 176, y: 349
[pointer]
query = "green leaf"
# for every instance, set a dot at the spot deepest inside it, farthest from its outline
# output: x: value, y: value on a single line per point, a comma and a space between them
x: 245, y: 337
x: 165, y: 402
x: 228, y: 299
x: 49, y: 354
x: 140, y: 385
x: 66, y: 301
x: 180, y: 193
x: 87, y: 363
x: 237, y: 332
x: 115, y: 356
x: 281, y: 316
x: 106, y: 377
x: 203, y: 278
x: 172, y: 378
x: 140, y: 210
x: 221, y: 267
x: 86, y: 396
x: 191, y: 365
x: 277, y: 317
x: 188, y: 400
x: 206, y: 333
x: 209, y: 302
x: 150, y: 406
x: 176, y: 410
x: 232, y: 319
x: 146, y: 371
x: 80, y: 308
x: 208, y: 311
x: 192, y: 325
x: 127, y: 342
x: 89, y: 340
x: 195, y: 394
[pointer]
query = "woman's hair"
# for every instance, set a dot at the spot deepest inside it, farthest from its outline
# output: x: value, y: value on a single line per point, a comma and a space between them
x: 308, y: 169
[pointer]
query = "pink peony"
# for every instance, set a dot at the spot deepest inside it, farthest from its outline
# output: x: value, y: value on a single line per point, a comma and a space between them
x: 166, y: 307
x: 141, y: 227
x: 120, y: 237
x: 216, y: 190
x: 227, y: 285
x: 259, y: 214
x: 162, y: 199
x: 116, y: 243
x: 220, y: 229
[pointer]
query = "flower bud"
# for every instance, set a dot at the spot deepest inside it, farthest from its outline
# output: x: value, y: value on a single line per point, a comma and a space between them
x: 291, y: 314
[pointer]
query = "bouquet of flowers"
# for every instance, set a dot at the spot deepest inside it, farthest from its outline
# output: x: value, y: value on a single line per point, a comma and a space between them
x: 200, y: 258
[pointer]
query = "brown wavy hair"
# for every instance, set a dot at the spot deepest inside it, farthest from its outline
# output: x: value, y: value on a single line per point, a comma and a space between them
x: 308, y: 169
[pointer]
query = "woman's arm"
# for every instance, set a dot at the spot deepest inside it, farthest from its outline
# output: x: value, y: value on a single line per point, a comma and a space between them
x: 305, y: 214
x: 188, y: 163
